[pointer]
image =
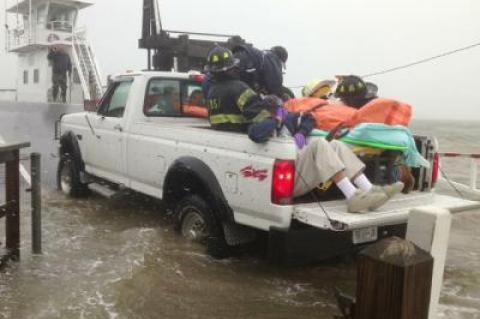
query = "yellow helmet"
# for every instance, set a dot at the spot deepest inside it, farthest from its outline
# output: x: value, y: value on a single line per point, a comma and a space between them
x: 318, y: 88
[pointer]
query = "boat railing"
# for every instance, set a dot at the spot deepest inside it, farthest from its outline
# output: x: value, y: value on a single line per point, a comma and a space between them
x: 53, y: 31
x: 470, y: 190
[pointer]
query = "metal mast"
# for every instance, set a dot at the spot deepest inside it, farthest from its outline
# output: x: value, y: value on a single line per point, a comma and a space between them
x: 170, y: 45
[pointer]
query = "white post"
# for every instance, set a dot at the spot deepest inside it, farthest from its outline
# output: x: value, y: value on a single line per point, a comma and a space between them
x: 429, y: 229
x: 473, y: 173
x: 175, y: 64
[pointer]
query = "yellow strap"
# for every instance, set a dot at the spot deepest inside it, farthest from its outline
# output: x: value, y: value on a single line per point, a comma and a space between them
x: 365, y: 150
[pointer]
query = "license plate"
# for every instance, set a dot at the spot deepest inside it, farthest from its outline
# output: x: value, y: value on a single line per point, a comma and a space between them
x: 365, y: 235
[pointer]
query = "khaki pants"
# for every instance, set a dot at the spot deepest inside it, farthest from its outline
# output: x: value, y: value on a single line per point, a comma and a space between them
x: 320, y: 160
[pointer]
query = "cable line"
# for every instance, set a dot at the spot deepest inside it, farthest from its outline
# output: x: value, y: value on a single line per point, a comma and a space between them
x: 438, y: 56
x: 409, y: 65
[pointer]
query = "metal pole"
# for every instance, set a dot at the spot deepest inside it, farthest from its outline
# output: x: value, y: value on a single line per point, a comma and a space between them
x: 159, y: 18
x: 30, y: 21
x: 7, y: 38
x: 36, y: 203
x: 473, y: 173
x: 149, y: 60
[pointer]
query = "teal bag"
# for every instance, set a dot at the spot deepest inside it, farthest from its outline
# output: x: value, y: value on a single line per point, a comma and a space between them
x: 387, y: 137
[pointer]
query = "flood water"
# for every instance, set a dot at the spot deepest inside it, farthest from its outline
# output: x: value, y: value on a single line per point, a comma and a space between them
x: 121, y: 259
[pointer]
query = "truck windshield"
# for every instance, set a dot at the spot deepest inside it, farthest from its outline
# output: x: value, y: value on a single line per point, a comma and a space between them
x: 115, y: 102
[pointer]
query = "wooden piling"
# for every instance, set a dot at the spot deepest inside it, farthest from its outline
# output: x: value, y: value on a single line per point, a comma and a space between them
x: 10, y: 155
x: 394, y: 279
x: 12, y: 190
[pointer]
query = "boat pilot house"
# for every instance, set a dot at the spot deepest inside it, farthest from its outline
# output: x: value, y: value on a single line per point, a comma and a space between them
x: 55, y: 61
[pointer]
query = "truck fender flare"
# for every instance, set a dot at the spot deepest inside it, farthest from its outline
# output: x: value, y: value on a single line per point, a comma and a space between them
x: 69, y: 144
x: 200, y: 179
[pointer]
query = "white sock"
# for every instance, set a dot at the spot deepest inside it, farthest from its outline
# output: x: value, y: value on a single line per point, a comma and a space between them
x: 363, y: 183
x: 347, y: 187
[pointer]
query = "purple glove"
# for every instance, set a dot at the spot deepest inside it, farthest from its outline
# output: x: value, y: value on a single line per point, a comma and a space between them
x: 300, y: 140
x: 281, y: 114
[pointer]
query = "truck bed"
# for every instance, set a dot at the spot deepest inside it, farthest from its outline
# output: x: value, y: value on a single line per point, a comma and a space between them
x: 394, y: 212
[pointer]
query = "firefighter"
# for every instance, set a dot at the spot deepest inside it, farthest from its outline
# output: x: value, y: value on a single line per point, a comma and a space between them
x: 263, y: 70
x: 234, y: 106
x: 61, y: 65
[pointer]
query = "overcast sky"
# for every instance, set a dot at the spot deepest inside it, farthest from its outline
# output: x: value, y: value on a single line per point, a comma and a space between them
x: 325, y: 38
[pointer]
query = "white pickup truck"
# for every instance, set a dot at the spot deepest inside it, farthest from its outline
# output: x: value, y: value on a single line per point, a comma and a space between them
x: 222, y: 187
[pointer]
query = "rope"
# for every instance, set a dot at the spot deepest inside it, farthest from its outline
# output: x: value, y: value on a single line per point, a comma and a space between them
x: 316, y: 199
x: 450, y: 183
x: 435, y: 57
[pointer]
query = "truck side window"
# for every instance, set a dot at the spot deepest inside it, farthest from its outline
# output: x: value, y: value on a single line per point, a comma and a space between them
x: 193, y: 100
x: 115, y: 102
x: 162, y: 98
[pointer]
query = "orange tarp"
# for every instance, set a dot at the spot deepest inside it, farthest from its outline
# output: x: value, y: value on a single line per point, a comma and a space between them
x: 328, y: 116
x: 382, y: 110
x: 304, y: 104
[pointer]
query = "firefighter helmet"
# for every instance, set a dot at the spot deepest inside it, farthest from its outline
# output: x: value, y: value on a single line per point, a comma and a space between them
x: 220, y: 59
x: 351, y: 86
x: 317, y: 88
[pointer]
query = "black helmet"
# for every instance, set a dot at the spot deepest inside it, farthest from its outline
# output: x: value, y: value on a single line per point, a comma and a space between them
x: 280, y: 52
x: 220, y: 59
x: 351, y: 86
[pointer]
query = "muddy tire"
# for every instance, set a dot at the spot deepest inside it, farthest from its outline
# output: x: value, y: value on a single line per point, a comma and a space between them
x: 68, y: 178
x: 196, y: 221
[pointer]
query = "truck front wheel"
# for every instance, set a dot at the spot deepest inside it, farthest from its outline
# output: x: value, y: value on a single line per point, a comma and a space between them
x: 196, y: 221
x: 68, y: 178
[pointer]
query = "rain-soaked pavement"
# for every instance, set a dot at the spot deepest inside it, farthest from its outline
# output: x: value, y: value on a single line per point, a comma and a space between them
x: 121, y: 259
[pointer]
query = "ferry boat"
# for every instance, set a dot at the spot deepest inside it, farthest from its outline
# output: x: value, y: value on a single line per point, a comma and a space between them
x: 32, y: 29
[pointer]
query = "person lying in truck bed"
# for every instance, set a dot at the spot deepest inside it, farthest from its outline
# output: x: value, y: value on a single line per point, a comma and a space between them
x: 234, y: 106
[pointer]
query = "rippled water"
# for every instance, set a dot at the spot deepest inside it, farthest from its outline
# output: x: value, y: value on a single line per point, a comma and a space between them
x: 121, y: 259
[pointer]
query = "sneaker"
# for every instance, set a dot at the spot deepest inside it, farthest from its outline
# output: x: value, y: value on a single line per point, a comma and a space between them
x: 363, y: 201
x: 390, y: 190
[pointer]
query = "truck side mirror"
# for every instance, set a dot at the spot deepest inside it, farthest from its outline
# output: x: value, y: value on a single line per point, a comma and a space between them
x: 91, y: 105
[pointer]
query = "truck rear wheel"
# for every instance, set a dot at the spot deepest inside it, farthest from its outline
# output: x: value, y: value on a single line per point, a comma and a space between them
x: 68, y: 178
x: 196, y: 221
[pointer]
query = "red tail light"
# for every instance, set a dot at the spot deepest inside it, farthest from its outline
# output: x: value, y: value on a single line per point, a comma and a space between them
x: 283, y: 182
x: 197, y: 77
x: 435, y: 168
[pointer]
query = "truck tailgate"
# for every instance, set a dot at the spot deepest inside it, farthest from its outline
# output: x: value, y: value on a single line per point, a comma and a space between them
x: 334, y: 215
